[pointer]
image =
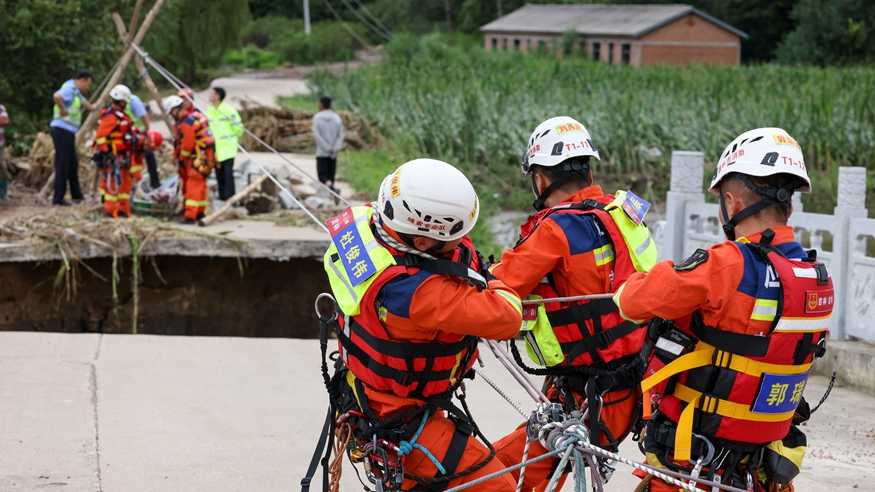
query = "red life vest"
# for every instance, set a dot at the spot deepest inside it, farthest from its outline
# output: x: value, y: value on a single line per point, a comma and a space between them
x: 117, y: 138
x: 407, y: 368
x: 745, y: 388
x: 591, y: 333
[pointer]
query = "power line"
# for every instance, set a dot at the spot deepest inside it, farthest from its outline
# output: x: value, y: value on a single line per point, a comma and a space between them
x: 345, y: 26
x: 367, y: 23
x: 376, y: 20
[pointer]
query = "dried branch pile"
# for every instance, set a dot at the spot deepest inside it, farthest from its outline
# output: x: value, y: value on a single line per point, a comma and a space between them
x: 290, y: 130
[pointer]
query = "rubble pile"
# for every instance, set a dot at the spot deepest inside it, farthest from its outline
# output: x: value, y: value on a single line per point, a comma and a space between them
x: 290, y: 130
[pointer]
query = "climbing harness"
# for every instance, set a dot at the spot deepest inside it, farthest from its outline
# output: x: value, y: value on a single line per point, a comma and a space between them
x: 382, y: 446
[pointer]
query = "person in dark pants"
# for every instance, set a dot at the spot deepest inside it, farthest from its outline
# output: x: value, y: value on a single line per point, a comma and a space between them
x: 328, y: 134
x: 136, y: 111
x: 66, y: 119
x: 227, y: 129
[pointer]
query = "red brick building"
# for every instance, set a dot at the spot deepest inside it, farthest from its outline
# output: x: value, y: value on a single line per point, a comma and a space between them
x: 621, y: 34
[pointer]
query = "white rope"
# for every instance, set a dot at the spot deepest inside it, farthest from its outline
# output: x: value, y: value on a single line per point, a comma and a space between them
x: 522, y: 479
x: 367, y: 23
x: 516, y: 406
x: 400, y: 246
x: 375, y: 19
x: 179, y: 86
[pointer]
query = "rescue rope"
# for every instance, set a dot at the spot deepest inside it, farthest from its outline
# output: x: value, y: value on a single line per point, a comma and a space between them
x: 516, y: 406
x: 588, y: 297
x: 400, y: 246
x: 179, y: 84
x: 406, y: 447
x: 522, y: 479
x: 344, y: 433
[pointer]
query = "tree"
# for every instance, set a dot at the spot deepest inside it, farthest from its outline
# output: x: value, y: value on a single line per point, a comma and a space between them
x: 42, y: 44
x: 191, y: 35
x: 830, y: 33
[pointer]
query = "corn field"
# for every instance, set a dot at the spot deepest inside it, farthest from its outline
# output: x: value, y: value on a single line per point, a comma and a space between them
x: 475, y: 109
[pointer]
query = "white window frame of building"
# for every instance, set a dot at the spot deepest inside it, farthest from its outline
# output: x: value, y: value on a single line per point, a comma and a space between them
x: 494, y: 44
x: 596, y: 48
x: 517, y: 44
x: 625, y: 53
x: 610, y: 53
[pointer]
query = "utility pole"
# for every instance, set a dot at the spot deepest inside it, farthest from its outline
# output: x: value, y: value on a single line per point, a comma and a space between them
x: 307, y: 17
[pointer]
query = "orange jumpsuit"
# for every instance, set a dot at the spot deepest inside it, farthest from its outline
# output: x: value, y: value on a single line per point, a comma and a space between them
x: 138, y: 157
x: 719, y: 288
x: 115, y: 132
x: 565, y: 249
x: 194, y: 149
x: 418, y: 308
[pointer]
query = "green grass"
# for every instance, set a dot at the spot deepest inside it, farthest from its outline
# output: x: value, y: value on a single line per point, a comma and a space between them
x: 453, y: 101
x: 303, y: 102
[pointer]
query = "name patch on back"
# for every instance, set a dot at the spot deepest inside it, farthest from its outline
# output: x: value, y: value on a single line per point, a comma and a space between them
x: 779, y: 393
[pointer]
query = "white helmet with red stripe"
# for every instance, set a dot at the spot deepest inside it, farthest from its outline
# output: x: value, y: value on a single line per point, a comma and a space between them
x: 760, y: 153
x: 428, y: 197
x: 769, y: 153
x: 555, y: 141
x: 120, y: 93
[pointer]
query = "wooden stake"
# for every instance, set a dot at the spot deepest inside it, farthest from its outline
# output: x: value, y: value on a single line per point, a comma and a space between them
x: 114, y: 79
x: 141, y: 69
x: 209, y: 219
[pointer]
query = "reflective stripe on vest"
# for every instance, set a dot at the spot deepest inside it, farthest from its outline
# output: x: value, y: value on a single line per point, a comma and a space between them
x: 74, y: 112
x: 358, y: 267
x: 138, y: 122
x: 772, y: 368
x: 630, y: 249
x: 637, y: 236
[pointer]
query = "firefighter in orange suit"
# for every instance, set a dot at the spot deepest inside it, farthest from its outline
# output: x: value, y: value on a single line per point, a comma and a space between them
x: 724, y: 389
x: 580, y: 241
x: 415, y: 297
x: 194, y: 149
x: 113, y: 144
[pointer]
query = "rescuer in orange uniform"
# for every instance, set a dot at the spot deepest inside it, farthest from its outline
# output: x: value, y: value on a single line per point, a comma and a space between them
x: 415, y: 298
x: 194, y: 149
x: 113, y: 142
x: 580, y: 241
x: 751, y: 315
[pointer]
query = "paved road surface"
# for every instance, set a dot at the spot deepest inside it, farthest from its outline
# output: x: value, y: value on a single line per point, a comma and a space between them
x: 88, y: 412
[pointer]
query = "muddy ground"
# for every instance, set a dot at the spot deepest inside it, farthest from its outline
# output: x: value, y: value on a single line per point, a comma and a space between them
x: 178, y: 296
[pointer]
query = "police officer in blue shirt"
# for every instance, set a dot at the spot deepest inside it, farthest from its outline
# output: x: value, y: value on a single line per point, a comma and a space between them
x: 66, y: 119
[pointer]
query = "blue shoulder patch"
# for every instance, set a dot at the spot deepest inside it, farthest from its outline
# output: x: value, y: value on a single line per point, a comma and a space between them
x: 397, y: 294
x: 760, y: 280
x: 583, y: 232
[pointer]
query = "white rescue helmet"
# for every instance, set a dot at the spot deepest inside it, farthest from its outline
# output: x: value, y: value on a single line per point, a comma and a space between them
x: 428, y: 197
x: 760, y: 153
x: 555, y: 141
x: 120, y: 93
x: 172, y: 102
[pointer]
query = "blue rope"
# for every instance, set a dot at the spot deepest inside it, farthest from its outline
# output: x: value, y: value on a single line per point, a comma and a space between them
x: 406, y: 447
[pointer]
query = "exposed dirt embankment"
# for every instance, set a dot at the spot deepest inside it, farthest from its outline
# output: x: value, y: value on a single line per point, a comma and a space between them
x: 176, y: 296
